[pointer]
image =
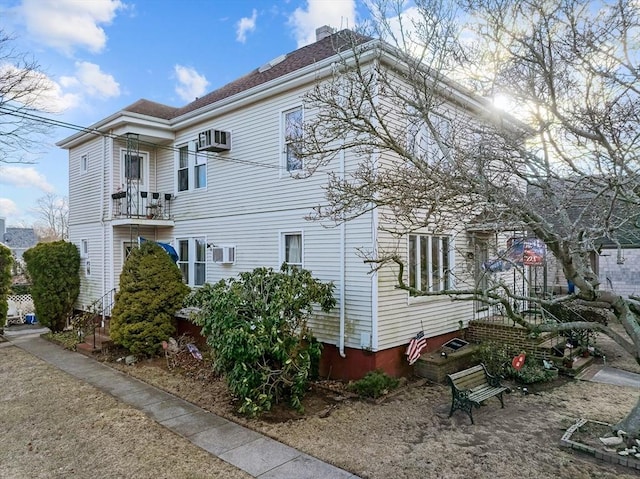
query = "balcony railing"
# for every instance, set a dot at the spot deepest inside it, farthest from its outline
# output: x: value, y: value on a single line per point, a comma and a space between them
x: 143, y: 205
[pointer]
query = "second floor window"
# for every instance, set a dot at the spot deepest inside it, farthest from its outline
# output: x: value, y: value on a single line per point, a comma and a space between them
x: 292, y: 130
x: 183, y: 168
x: 191, y: 168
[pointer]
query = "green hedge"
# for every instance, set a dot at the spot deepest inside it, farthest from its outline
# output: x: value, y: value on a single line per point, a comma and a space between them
x: 6, y: 260
x: 54, y: 271
x: 151, y: 291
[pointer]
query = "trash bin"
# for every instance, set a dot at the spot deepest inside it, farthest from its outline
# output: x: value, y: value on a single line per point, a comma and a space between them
x: 30, y: 318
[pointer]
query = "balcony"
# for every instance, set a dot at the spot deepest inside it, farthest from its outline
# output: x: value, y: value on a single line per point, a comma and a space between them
x: 143, y: 208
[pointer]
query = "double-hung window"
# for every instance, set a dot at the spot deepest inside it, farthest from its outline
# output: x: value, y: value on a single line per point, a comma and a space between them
x: 430, y: 262
x: 192, y: 168
x: 183, y: 168
x: 292, y: 248
x: 292, y: 134
x: 192, y: 260
x: 428, y: 143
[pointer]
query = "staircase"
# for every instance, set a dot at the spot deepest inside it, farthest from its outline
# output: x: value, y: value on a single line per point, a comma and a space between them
x: 94, y: 325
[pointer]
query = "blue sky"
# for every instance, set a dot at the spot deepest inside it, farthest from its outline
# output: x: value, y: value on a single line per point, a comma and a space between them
x: 102, y: 55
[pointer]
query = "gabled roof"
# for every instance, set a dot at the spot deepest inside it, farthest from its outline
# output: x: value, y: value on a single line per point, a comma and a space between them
x: 19, y: 238
x: 295, y: 60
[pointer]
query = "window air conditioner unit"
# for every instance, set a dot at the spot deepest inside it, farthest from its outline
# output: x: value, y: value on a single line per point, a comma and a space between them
x: 214, y: 140
x: 224, y: 254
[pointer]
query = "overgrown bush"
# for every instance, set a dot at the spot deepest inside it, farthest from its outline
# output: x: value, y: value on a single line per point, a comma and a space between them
x: 6, y: 260
x: 374, y: 384
x: 151, y: 291
x: 256, y: 325
x: 497, y: 359
x: 54, y: 271
x: 495, y: 356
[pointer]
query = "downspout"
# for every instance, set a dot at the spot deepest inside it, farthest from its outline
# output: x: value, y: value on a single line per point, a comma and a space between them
x: 104, y: 195
x: 342, y: 270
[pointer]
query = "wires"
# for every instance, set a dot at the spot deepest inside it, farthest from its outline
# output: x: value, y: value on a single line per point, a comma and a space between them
x: 94, y: 131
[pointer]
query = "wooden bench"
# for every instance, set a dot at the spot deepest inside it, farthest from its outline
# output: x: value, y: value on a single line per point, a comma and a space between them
x: 472, y: 386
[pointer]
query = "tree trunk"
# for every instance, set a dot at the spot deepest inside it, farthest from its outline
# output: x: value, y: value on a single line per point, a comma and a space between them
x: 630, y: 424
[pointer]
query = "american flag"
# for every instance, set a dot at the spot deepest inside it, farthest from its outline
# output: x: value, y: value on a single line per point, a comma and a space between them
x: 416, y: 345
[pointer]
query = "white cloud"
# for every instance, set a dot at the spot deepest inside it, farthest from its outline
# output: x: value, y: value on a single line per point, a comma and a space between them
x: 95, y: 82
x: 190, y: 83
x: 8, y: 207
x: 36, y: 90
x: 246, y: 24
x: 24, y: 177
x: 67, y: 24
x: 340, y: 14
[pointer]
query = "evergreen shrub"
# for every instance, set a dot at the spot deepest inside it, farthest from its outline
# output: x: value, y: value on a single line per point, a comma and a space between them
x: 151, y: 291
x: 6, y: 260
x: 54, y: 271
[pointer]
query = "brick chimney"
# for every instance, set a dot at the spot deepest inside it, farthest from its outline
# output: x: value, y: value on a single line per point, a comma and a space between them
x: 324, y: 32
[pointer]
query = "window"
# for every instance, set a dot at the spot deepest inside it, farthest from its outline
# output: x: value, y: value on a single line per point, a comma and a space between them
x: 430, y: 260
x: 192, y: 260
x: 84, y: 248
x: 87, y: 267
x: 293, y: 130
x: 292, y: 248
x: 192, y: 168
x: 183, y: 168
x: 200, y: 262
x: 422, y: 141
x: 200, y: 171
x: 84, y: 164
x: 134, y: 167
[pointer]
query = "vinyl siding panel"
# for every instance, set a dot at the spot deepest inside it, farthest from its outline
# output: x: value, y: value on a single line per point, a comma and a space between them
x: 257, y: 239
x: 85, y: 187
x: 401, y: 316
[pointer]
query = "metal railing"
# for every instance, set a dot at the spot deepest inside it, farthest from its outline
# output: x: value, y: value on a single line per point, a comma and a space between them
x: 150, y: 205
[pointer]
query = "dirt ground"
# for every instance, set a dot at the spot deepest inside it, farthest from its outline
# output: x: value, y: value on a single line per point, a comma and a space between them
x: 53, y: 426
x: 408, y: 435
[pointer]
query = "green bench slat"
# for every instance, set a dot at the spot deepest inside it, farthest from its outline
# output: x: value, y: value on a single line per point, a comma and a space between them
x: 470, y: 387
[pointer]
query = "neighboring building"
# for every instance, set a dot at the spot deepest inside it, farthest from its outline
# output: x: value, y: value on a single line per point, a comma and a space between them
x: 619, y: 264
x: 18, y: 240
x: 214, y: 179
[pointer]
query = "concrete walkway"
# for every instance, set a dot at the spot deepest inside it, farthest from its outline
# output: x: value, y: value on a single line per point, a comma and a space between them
x: 254, y: 453
x: 603, y: 374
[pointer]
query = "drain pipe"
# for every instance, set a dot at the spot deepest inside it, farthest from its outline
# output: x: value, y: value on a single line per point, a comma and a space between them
x: 342, y: 271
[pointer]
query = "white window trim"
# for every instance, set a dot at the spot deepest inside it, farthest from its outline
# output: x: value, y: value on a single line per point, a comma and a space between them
x: 192, y: 258
x: 282, y: 245
x: 84, y: 164
x: 84, y: 248
x: 283, y: 145
x: 451, y: 265
x: 144, y: 181
x: 193, y: 158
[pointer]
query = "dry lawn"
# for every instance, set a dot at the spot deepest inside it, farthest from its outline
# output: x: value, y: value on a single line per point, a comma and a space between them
x: 54, y: 426
x: 410, y: 436
x: 51, y: 425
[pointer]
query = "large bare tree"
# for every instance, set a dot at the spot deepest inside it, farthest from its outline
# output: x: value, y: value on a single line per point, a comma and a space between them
x: 53, y: 217
x: 23, y: 88
x: 565, y: 171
